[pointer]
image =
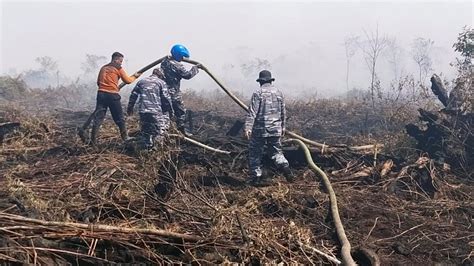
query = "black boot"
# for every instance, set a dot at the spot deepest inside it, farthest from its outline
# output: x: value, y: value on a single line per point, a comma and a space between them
x: 253, y: 181
x: 83, y: 135
x: 94, y: 131
x: 185, y: 131
x: 288, y: 174
x: 148, y: 142
x: 260, y: 181
x: 124, y: 133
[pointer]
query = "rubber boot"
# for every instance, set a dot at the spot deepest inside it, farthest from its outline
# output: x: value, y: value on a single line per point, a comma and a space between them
x: 184, y: 130
x: 253, y: 181
x: 93, y: 139
x: 288, y: 174
x: 148, y: 141
x: 187, y: 133
x: 83, y: 135
x: 124, y: 133
x: 180, y: 125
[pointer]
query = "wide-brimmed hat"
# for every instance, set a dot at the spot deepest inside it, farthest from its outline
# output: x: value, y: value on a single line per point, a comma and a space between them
x: 265, y: 76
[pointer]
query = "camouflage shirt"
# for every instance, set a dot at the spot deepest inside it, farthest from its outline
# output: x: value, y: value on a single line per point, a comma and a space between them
x: 153, y: 96
x: 267, y: 113
x: 175, y: 71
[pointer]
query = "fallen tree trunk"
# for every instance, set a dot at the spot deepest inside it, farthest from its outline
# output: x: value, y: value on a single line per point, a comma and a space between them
x: 447, y: 135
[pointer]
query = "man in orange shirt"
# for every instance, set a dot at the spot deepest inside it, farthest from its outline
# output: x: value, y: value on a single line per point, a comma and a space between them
x: 108, y: 97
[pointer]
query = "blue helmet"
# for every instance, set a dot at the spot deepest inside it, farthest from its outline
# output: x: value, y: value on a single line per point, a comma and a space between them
x: 178, y: 51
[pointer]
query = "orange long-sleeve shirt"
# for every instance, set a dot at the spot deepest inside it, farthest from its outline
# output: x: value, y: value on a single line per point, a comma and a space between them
x: 109, y: 76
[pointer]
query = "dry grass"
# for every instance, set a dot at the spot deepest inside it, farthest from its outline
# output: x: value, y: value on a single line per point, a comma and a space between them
x: 414, y: 212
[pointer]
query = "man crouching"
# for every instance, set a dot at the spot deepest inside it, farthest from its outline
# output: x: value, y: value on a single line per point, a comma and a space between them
x: 153, y: 101
x: 265, y: 125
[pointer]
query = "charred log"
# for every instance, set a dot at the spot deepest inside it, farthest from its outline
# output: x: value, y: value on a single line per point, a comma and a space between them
x: 235, y: 129
x: 6, y: 128
x: 449, y: 134
x: 438, y: 89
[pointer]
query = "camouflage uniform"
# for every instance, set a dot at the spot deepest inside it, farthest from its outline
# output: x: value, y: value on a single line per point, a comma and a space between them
x: 174, y: 71
x: 153, y: 101
x: 266, y: 121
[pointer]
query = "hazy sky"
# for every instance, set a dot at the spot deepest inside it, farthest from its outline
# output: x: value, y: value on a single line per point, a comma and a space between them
x: 303, y: 41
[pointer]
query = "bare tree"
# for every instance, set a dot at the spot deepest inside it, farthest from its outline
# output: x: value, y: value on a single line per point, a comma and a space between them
x: 394, y: 54
x: 350, y: 44
x: 372, y: 47
x: 47, y: 64
x: 421, y: 54
x: 45, y: 76
x: 256, y: 65
x: 92, y: 63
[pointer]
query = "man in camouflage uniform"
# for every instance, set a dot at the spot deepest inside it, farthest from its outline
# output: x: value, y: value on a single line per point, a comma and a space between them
x: 153, y: 101
x: 265, y: 125
x: 175, y: 71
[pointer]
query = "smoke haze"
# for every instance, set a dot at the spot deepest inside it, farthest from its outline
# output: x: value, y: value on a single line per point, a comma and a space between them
x: 301, y: 42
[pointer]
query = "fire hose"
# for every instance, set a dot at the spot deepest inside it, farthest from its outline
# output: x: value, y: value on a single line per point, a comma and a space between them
x: 346, y: 247
x: 146, y: 68
x: 321, y: 146
x: 245, y: 107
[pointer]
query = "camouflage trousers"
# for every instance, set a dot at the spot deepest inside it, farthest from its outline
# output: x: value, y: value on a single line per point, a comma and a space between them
x: 165, y: 122
x: 153, y: 128
x: 178, y: 108
x: 256, y: 152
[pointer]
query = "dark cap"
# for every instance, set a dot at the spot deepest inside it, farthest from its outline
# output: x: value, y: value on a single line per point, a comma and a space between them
x: 265, y: 76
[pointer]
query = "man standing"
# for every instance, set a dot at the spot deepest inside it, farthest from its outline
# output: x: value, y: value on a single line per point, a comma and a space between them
x: 175, y: 71
x: 108, y: 97
x: 265, y: 125
x: 153, y: 101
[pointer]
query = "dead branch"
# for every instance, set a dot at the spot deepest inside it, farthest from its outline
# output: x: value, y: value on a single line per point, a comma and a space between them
x: 317, y: 251
x: 197, y: 143
x: 101, y: 228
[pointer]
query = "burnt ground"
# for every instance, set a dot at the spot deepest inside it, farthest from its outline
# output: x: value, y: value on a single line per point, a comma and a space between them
x: 407, y: 209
